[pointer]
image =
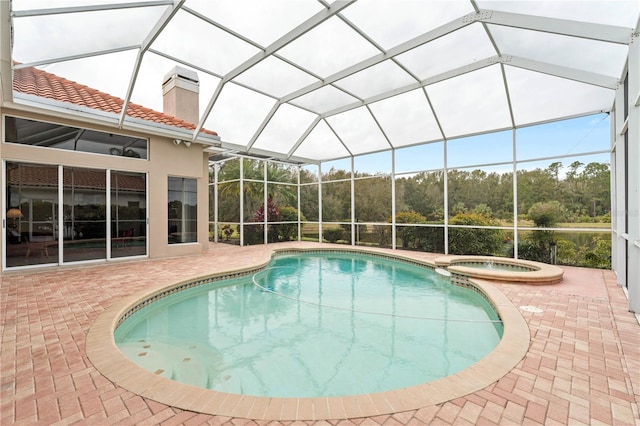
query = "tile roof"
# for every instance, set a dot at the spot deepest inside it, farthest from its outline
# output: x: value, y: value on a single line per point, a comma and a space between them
x: 33, y: 81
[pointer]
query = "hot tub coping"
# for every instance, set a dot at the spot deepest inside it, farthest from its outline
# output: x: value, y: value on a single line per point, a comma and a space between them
x: 541, y: 273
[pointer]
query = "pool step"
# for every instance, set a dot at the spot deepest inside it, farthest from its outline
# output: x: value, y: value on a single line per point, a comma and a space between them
x: 168, y: 361
x: 148, y: 358
x: 190, y: 370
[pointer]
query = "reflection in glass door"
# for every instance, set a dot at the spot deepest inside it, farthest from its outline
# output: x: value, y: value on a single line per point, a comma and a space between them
x: 84, y: 210
x: 31, y: 216
x: 34, y: 228
x: 128, y: 214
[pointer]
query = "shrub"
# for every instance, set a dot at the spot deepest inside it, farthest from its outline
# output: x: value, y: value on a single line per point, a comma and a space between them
x: 477, y: 241
x: 332, y: 235
x: 383, y: 234
x: 227, y: 231
x: 597, y: 257
x: 289, y: 231
x: 253, y: 234
x: 547, y: 214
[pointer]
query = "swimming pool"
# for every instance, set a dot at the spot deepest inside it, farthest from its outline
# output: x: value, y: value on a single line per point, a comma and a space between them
x: 314, y: 325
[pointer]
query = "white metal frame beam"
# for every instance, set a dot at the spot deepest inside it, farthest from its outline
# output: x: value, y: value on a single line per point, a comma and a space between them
x: 283, y: 41
x: 529, y: 64
x: 89, y: 8
x: 74, y: 57
x: 6, y: 57
x: 592, y: 31
x: 561, y: 71
x: 153, y: 34
x: 374, y: 60
x: 609, y: 33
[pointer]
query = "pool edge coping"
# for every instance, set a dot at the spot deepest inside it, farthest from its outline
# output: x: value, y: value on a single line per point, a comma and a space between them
x: 109, y: 361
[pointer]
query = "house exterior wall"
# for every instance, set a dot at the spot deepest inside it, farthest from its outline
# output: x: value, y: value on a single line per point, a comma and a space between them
x: 164, y: 159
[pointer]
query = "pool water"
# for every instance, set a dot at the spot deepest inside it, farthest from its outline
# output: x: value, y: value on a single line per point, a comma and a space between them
x: 490, y: 265
x: 314, y: 325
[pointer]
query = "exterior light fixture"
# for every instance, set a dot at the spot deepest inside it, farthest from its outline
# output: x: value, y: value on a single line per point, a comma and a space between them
x: 180, y: 141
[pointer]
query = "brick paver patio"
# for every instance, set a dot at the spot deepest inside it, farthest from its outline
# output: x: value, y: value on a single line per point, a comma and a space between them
x: 582, y: 367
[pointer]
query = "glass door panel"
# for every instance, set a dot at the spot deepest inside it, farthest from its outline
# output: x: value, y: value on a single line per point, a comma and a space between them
x: 128, y: 214
x: 84, y: 209
x: 31, y: 216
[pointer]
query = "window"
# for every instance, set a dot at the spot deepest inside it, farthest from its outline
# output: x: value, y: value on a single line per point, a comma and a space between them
x: 183, y: 210
x: 49, y: 135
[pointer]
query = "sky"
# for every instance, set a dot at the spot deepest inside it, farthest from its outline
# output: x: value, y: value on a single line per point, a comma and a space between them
x: 568, y: 139
x: 452, y: 106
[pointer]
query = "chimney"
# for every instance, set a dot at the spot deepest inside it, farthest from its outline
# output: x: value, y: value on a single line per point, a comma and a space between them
x: 180, y: 94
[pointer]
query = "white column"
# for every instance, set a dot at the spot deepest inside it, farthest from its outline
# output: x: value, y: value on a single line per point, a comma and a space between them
x: 393, y: 198
x: 299, y: 205
x: 320, y: 202
x: 216, y: 204
x: 446, y: 199
x: 241, y: 194
x: 265, y: 236
x: 108, y: 212
x: 515, y: 196
x: 618, y: 191
x: 354, y: 226
x: 633, y: 264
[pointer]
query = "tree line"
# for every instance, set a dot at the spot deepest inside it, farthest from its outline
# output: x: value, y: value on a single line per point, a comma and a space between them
x: 576, y: 194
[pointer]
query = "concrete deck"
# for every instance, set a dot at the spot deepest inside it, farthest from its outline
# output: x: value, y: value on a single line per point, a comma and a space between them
x: 582, y: 366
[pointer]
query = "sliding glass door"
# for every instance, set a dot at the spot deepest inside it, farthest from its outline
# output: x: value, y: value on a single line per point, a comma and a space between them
x: 85, y: 214
x: 31, y: 219
x: 103, y: 214
x: 128, y: 214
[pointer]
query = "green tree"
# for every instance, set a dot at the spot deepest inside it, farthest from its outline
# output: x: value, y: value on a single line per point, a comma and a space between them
x: 422, y: 193
x: 538, y: 245
x: 373, y: 199
x: 547, y: 214
x: 407, y: 234
x: 534, y: 186
x: 597, y: 189
x: 483, y: 210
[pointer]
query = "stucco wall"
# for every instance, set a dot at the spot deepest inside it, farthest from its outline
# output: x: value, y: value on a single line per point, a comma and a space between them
x: 164, y: 159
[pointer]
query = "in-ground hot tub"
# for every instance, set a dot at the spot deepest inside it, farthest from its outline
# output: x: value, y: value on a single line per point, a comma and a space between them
x: 501, y: 269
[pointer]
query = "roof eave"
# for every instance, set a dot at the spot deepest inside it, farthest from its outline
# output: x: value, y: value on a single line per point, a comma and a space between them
x: 65, y: 110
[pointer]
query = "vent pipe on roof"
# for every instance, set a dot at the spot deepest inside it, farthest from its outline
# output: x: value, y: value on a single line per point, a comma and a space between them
x: 180, y: 92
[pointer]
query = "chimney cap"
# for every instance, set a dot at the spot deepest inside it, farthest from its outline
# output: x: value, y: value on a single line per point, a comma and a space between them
x: 183, y: 73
